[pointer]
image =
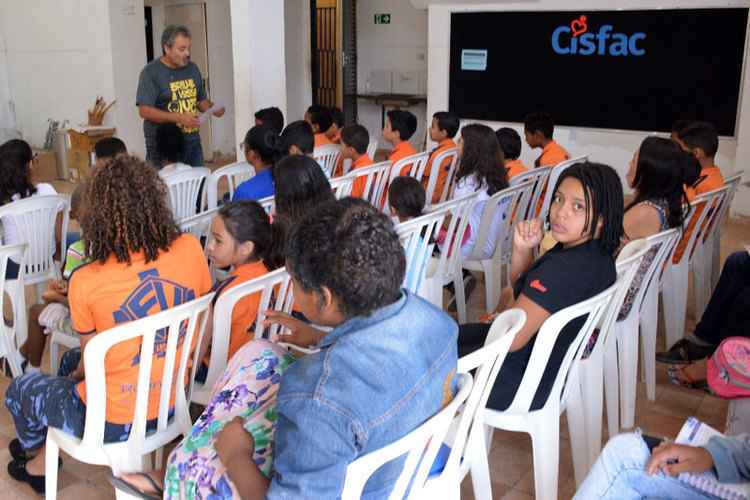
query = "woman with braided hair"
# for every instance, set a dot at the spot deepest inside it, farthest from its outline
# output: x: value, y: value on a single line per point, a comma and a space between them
x: 139, y: 264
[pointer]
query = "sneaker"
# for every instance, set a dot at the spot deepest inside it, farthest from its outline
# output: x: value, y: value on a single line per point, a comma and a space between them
x: 684, y: 352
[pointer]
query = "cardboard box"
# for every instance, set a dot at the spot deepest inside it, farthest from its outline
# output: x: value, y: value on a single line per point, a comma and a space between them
x: 80, y: 154
x: 44, y: 168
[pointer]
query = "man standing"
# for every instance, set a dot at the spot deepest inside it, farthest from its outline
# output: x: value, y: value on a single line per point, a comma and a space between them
x: 170, y: 89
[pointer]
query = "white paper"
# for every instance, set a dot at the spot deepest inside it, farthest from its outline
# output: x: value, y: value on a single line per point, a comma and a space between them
x: 210, y: 111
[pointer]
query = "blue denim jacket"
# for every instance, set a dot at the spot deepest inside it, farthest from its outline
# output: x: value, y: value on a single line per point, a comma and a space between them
x: 374, y: 380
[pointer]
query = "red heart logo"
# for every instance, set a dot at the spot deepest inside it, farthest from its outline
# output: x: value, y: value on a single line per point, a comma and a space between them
x: 579, y: 26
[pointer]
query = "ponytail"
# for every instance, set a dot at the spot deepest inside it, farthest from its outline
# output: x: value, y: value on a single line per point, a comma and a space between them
x: 263, y: 140
x: 248, y: 221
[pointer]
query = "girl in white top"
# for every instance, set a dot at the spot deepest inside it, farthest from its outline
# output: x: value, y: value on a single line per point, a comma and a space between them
x: 15, y: 183
x: 170, y: 145
x: 482, y: 169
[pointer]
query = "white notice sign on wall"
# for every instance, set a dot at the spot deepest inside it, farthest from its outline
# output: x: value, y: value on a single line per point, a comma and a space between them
x: 473, y: 60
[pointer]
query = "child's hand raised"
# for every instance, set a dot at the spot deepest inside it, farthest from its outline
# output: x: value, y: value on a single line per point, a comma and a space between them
x: 528, y: 234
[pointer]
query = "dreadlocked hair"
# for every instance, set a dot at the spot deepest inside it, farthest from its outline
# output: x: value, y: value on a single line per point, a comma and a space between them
x: 130, y: 211
x: 602, y: 191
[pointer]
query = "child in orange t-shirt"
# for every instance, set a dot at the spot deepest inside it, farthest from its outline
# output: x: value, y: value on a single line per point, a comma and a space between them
x: 538, y: 129
x: 400, y: 125
x: 702, y: 141
x: 354, y: 141
x: 443, y: 129
x: 510, y: 144
x: 139, y: 264
x: 242, y: 237
x: 334, y: 135
x: 319, y: 118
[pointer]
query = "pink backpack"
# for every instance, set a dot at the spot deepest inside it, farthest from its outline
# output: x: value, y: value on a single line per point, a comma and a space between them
x: 728, y: 370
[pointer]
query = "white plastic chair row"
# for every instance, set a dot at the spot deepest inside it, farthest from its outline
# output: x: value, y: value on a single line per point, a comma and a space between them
x: 327, y: 157
x: 418, y: 239
x: 275, y: 294
x: 184, y: 188
x: 11, y: 336
x: 733, y: 182
x: 437, y: 164
x: 552, y: 181
x: 269, y: 204
x: 233, y: 174
x: 372, y: 148
x: 188, y: 320
x: 415, y: 163
x: 539, y: 177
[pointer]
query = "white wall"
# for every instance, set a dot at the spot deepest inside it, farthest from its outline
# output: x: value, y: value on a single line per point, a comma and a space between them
x: 612, y: 147
x: 7, y: 112
x: 399, y: 46
x: 298, y: 58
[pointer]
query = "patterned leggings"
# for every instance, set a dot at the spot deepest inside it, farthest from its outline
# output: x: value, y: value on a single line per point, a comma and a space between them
x: 37, y: 401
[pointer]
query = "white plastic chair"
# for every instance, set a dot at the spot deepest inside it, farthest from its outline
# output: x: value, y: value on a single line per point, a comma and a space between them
x: 707, y: 251
x: 327, y: 157
x: 539, y: 177
x: 376, y: 178
x: 466, y: 441
x: 621, y: 350
x: 552, y: 181
x: 416, y: 163
x: 446, y: 267
x: 592, y: 378
x: 234, y: 173
x: 187, y: 320
x: 675, y: 289
x: 544, y: 424
x: 269, y: 204
x: 420, y: 447
x: 275, y: 294
x: 184, y: 189
x: 372, y: 148
x: 342, y: 186
x: 451, y: 154
x: 199, y: 225
x: 11, y: 336
x: 501, y: 205
x: 418, y: 239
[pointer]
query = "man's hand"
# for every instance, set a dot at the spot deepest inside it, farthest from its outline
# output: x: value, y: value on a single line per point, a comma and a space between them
x: 188, y: 120
x: 674, y: 459
x: 234, y: 442
x: 220, y: 112
x: 300, y: 333
x: 528, y: 234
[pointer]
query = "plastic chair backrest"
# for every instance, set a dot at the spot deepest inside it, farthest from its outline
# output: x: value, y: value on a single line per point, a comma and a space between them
x: 546, y: 337
x: 342, y: 186
x: 327, y: 157
x: 450, y: 253
x: 183, y: 324
x: 199, y: 225
x: 234, y: 173
x: 372, y: 148
x: 552, y: 180
x: 377, y: 177
x: 184, y: 189
x: 487, y: 362
x: 451, y: 153
x: 269, y: 204
x: 416, y: 163
x: 502, y: 204
x: 35, y: 219
x: 275, y: 294
x: 539, y: 177
x: 420, y: 447
x: 9, y: 338
x: 711, y: 203
x: 720, y: 207
x: 418, y: 239
x: 733, y: 182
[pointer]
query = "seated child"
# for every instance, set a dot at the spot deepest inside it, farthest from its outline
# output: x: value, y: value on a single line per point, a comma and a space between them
x: 319, y: 118
x: 337, y: 124
x: 54, y: 314
x: 538, y: 129
x: 296, y: 139
x: 586, y: 220
x: 131, y: 237
x: 443, y: 129
x: 242, y: 237
x: 354, y: 141
x: 170, y: 145
x: 677, y: 127
x: 108, y: 148
x: 260, y: 147
x: 406, y: 198
x: 510, y: 144
x: 289, y: 434
x: 271, y: 117
x: 400, y: 125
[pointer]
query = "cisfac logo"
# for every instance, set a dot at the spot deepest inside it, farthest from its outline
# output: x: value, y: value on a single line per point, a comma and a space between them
x: 576, y: 38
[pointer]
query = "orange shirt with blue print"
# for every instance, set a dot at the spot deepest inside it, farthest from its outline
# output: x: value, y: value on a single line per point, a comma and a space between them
x: 442, y: 146
x: 710, y: 179
x: 360, y: 183
x: 401, y: 151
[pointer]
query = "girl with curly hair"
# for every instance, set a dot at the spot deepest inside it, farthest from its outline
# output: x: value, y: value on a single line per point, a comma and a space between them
x: 139, y: 264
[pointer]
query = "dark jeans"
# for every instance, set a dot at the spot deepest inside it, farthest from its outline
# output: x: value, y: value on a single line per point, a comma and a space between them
x: 471, y: 337
x: 728, y: 311
x: 11, y: 270
x: 193, y: 154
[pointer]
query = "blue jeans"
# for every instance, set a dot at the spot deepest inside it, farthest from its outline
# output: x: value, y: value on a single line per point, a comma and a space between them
x: 620, y: 473
x: 193, y: 154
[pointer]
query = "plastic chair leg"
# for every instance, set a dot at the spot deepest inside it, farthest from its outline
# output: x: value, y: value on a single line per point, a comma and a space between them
x: 627, y: 358
x: 701, y: 265
x: 52, y: 452
x: 579, y: 433
x: 592, y: 391
x: 675, y: 296
x: 545, y: 441
x: 649, y: 317
x: 611, y: 387
x: 491, y: 284
x: 458, y: 287
x: 54, y: 356
x: 476, y: 452
x: 715, y: 247
x: 39, y: 289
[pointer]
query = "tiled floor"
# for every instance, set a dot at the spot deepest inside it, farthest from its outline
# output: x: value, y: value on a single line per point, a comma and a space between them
x: 510, y: 457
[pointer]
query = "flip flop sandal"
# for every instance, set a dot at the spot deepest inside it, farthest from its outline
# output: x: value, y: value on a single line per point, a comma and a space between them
x: 678, y: 376
x: 130, y: 489
x: 684, y: 352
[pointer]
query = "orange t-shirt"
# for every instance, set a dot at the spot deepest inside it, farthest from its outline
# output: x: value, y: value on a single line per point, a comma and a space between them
x: 400, y: 152
x: 360, y: 183
x: 246, y: 309
x: 552, y: 154
x: 514, y: 167
x: 103, y: 296
x: 321, y: 140
x: 709, y: 180
x: 442, y: 146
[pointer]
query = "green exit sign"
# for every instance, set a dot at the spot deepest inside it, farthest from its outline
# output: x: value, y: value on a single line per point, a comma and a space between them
x: 382, y: 19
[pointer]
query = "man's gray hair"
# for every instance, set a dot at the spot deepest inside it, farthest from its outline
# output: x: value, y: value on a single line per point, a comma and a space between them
x: 171, y: 32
